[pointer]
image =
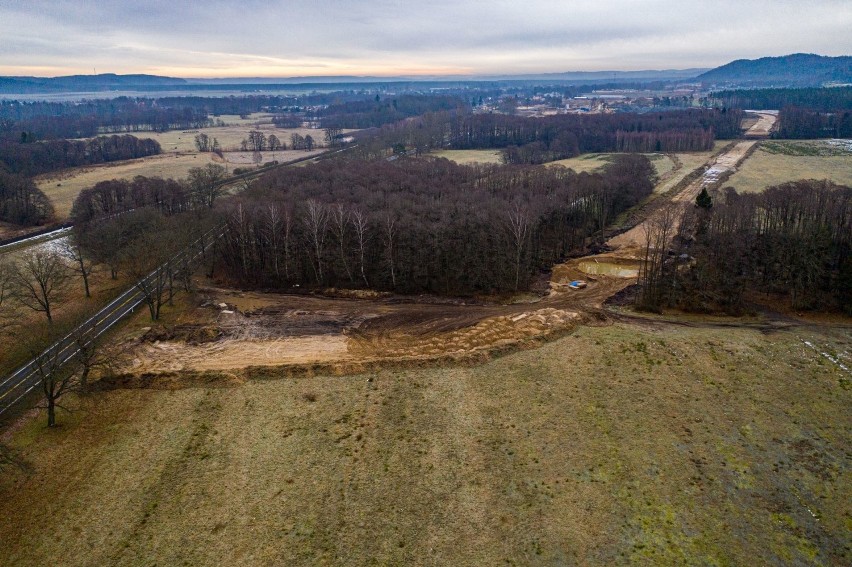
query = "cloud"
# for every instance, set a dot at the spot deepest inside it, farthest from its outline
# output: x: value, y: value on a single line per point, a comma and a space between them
x: 277, y: 38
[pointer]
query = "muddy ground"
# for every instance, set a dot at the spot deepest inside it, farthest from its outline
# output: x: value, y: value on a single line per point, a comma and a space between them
x: 227, y: 329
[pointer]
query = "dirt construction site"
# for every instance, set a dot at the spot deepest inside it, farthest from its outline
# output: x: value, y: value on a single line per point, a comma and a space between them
x: 229, y: 330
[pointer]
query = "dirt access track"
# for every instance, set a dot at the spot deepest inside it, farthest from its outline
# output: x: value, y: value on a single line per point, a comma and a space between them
x: 228, y: 330
x: 629, y: 244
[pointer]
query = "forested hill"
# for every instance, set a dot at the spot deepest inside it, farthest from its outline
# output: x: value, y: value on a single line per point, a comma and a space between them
x: 105, y: 81
x: 797, y: 70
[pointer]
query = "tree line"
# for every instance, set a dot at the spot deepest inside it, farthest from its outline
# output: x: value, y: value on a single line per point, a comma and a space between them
x: 794, y: 240
x: 420, y: 225
x: 539, y: 140
x: 167, y: 196
x: 377, y: 112
x: 827, y: 99
x: 56, y: 120
x: 34, y: 158
x: 799, y: 123
x: 22, y: 202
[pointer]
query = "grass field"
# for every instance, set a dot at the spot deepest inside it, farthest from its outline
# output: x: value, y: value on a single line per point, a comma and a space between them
x: 229, y: 137
x: 670, y: 169
x: 776, y: 162
x: 627, y: 444
x: 467, y: 157
x: 63, y: 187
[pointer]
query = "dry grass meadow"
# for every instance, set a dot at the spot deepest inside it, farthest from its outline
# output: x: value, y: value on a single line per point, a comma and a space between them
x: 777, y: 162
x: 64, y: 186
x: 468, y: 157
x: 178, y: 157
x: 635, y: 443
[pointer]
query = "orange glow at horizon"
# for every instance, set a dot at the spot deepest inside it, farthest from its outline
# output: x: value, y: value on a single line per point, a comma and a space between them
x: 242, y: 71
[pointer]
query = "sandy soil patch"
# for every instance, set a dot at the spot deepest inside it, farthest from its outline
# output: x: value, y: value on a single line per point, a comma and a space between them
x: 233, y: 329
x: 765, y: 122
x: 229, y: 354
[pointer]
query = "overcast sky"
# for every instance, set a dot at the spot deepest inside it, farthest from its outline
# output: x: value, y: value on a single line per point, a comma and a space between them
x: 273, y: 38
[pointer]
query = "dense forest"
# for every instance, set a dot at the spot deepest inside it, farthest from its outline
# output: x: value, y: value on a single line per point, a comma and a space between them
x: 798, y: 123
x: 793, y: 239
x: 821, y: 99
x: 804, y: 113
x: 42, y: 157
x: 538, y: 140
x: 420, y: 225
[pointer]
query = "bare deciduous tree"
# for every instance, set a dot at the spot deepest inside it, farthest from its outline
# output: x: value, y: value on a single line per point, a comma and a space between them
x: 202, y: 142
x: 274, y: 145
x: 274, y: 234
x: 56, y: 378
x: 89, y: 355
x: 332, y: 136
x: 206, y: 183
x: 360, y: 224
x: 519, y: 228
x: 339, y: 224
x: 391, y: 228
x: 80, y: 261
x: 659, y: 230
x: 39, y: 279
x: 316, y: 222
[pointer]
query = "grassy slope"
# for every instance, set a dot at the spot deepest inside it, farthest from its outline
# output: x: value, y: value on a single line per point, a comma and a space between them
x: 614, y: 445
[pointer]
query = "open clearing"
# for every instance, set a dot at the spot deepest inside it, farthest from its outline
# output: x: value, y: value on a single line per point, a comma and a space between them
x: 229, y: 137
x: 63, y: 187
x: 778, y: 162
x: 632, y: 443
x: 468, y: 157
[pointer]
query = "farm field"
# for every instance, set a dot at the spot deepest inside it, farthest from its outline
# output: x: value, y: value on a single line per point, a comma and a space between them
x: 777, y: 162
x: 637, y: 442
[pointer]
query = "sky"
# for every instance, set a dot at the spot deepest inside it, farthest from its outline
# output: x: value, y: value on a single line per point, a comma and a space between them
x: 273, y: 38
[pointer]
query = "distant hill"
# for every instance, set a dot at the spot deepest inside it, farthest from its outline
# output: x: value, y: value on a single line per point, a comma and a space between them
x: 563, y: 77
x: 797, y: 70
x: 102, y: 82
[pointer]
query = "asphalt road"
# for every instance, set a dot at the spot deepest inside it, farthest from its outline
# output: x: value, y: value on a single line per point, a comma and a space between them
x: 16, y: 386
